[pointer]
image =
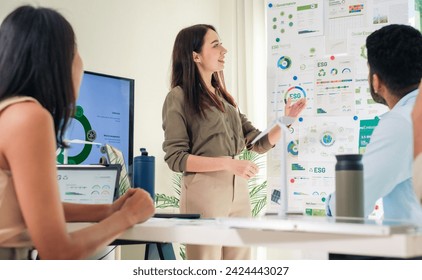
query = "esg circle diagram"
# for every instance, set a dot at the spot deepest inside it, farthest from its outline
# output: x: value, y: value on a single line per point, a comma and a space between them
x: 284, y: 62
x: 90, y: 136
x: 295, y: 93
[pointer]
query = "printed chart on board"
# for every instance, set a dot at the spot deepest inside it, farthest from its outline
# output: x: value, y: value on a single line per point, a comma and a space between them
x: 316, y: 50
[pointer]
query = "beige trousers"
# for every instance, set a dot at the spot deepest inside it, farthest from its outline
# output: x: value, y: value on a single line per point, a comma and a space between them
x: 213, y: 195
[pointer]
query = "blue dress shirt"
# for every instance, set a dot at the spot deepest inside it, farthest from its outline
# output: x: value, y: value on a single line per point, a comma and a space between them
x: 387, y: 166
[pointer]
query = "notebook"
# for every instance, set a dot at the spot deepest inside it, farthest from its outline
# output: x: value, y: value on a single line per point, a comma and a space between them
x: 88, y: 184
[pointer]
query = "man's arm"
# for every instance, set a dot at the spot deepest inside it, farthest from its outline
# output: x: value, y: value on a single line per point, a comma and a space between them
x: 417, y: 124
x: 417, y: 142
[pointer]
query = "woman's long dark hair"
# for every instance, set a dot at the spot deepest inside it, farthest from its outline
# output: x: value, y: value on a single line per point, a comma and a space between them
x: 185, y: 73
x: 37, y: 47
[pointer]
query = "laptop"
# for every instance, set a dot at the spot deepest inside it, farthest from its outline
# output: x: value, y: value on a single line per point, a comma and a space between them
x: 88, y: 184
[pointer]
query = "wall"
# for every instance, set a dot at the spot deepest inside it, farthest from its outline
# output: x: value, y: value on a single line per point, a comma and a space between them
x: 134, y: 39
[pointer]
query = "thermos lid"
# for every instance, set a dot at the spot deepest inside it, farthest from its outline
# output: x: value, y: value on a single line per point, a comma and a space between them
x: 143, y: 152
x: 144, y: 156
x: 349, y: 162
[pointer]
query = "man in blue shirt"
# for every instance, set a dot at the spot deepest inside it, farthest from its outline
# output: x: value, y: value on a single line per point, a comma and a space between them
x: 395, y: 70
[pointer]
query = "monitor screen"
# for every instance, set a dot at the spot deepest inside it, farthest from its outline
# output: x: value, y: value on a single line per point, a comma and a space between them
x: 104, y: 115
x: 88, y: 184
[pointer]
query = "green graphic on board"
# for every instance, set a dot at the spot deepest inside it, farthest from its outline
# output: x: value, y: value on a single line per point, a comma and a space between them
x: 90, y: 136
x: 366, y: 129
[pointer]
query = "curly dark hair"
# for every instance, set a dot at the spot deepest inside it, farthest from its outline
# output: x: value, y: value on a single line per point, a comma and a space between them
x: 395, y: 55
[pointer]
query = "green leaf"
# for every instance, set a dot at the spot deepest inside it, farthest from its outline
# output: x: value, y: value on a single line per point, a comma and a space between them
x: 258, y: 197
x: 258, y: 206
x: 182, y: 251
x: 177, y: 182
x: 165, y: 201
x: 258, y: 190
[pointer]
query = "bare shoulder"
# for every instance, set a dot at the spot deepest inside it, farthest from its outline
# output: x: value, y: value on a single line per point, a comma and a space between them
x: 22, y: 119
x: 23, y: 125
x: 24, y: 114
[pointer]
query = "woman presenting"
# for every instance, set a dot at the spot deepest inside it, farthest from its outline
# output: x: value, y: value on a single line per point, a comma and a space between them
x: 204, y: 134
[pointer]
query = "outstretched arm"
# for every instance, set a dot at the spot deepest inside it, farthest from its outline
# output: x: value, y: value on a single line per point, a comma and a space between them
x: 291, y: 111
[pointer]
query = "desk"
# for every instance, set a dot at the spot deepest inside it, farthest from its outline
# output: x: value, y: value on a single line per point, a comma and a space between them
x: 343, y: 236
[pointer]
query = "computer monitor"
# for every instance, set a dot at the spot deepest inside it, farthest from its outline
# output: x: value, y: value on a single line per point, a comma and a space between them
x: 104, y: 115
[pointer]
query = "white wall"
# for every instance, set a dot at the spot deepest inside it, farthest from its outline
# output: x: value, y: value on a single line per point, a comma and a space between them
x: 134, y: 38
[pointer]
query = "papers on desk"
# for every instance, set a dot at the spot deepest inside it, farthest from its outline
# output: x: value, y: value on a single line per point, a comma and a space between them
x: 321, y: 225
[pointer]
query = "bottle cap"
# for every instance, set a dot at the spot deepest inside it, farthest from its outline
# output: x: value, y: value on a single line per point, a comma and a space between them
x: 143, y: 152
